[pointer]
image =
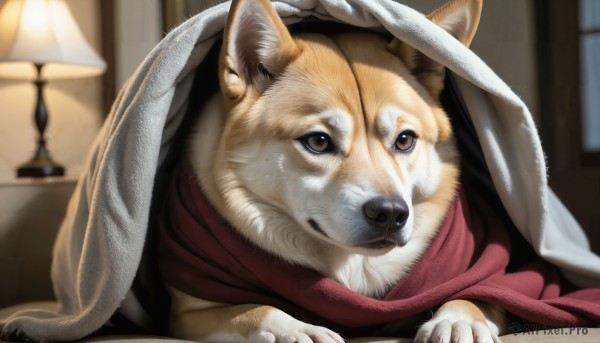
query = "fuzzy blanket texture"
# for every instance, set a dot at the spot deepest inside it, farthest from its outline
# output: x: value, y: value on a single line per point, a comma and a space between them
x: 101, y: 241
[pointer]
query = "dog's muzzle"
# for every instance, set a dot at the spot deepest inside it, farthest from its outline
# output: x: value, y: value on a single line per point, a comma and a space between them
x: 386, y: 218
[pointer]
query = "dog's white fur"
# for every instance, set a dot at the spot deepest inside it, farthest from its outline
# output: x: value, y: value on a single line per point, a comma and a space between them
x: 256, y: 165
x: 353, y: 267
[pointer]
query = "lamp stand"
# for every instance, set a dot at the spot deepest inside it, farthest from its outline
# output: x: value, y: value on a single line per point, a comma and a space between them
x: 41, y: 165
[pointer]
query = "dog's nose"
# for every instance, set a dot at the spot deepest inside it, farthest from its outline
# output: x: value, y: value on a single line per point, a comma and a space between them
x: 386, y: 214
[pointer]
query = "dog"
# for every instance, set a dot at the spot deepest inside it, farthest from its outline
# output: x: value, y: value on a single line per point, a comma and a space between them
x: 340, y: 140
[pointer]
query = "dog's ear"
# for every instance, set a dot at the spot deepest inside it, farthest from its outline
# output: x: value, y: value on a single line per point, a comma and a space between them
x: 460, y: 18
x: 257, y: 46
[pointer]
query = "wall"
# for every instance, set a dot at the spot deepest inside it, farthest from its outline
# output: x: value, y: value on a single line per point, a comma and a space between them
x: 138, y: 30
x: 74, y: 106
x: 25, y: 239
x: 506, y: 40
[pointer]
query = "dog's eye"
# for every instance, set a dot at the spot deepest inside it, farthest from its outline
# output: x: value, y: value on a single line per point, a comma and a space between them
x: 317, y: 143
x: 406, y: 141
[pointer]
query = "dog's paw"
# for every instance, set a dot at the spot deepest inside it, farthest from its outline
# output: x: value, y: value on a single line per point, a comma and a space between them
x: 280, y: 327
x: 444, y: 330
x: 464, y: 324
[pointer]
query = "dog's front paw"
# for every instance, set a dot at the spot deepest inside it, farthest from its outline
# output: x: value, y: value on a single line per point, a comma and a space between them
x: 448, y: 330
x: 280, y: 327
x: 458, y: 321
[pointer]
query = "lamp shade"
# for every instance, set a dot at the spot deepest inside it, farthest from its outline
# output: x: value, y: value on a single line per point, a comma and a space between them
x: 44, y: 32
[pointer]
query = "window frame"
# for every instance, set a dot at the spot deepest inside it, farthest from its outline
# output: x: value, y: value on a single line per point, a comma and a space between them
x: 107, y: 15
x: 559, y: 80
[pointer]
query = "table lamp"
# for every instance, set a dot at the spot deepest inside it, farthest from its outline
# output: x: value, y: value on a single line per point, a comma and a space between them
x: 40, y: 41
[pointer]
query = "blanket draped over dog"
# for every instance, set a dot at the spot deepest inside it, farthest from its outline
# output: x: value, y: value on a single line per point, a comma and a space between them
x: 203, y: 256
x: 101, y: 242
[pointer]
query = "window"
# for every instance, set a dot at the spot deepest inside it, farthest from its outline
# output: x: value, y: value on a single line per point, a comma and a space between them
x: 569, y: 82
x: 589, y: 32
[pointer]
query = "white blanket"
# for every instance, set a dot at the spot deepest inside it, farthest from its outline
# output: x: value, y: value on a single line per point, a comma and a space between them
x: 100, y: 243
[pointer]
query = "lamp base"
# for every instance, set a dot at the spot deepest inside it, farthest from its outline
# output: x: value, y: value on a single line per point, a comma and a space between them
x: 41, y: 165
x: 40, y: 168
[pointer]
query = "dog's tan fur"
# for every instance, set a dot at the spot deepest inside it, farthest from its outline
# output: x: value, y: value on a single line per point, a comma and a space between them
x: 254, y: 165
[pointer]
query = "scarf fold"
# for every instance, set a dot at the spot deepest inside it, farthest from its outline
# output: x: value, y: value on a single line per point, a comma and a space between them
x: 203, y: 256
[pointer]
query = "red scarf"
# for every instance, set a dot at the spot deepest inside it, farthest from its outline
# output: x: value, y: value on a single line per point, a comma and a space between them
x: 203, y: 256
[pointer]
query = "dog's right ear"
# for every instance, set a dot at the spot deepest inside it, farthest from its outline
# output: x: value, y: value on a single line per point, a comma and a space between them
x: 257, y: 46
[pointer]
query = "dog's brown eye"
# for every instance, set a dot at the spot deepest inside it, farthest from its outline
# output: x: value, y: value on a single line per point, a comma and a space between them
x: 318, y: 143
x: 406, y: 141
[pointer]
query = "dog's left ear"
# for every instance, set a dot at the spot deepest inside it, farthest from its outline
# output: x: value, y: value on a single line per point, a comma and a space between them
x: 257, y: 47
x: 460, y: 18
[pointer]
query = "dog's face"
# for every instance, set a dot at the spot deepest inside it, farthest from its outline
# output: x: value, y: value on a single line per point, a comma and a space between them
x: 343, y: 141
x: 342, y: 135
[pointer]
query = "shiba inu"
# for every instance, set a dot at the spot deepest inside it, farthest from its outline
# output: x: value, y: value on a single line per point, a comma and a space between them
x: 330, y: 152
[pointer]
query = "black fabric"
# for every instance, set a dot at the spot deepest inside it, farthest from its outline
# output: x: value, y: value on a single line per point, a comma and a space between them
x: 475, y: 173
